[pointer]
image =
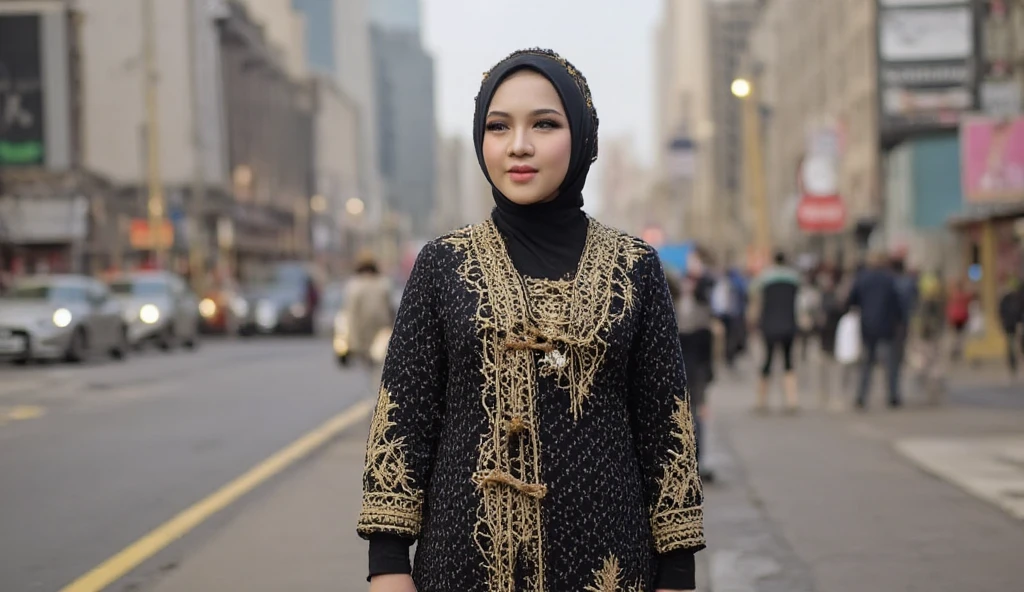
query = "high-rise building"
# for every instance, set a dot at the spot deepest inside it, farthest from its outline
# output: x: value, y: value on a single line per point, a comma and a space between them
x: 730, y: 24
x: 814, y: 68
x: 406, y: 123
x: 397, y: 15
x: 321, y: 51
x: 682, y: 196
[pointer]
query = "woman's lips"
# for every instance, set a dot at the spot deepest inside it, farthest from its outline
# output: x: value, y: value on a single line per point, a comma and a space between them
x: 522, y: 177
x: 522, y: 174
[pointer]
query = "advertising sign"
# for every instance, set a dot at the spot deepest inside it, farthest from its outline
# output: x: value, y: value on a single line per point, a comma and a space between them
x: 21, y: 91
x: 927, y: 70
x: 992, y: 159
x: 821, y: 209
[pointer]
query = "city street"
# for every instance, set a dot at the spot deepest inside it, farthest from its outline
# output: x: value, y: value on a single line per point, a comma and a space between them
x: 96, y: 456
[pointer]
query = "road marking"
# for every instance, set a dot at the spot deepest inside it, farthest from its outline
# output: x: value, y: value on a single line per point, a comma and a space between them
x: 120, y: 564
x: 990, y: 468
x: 26, y: 412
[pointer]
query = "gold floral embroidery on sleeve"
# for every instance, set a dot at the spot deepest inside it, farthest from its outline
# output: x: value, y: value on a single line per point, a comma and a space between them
x: 390, y: 501
x: 609, y: 579
x: 677, y: 519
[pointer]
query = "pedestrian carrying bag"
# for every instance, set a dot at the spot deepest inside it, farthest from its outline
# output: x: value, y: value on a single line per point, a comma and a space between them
x: 848, y: 338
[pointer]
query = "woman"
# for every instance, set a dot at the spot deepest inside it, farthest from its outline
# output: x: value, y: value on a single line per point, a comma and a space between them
x: 533, y: 430
x: 369, y: 313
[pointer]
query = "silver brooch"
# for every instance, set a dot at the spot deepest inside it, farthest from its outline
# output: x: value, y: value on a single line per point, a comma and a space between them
x: 555, y: 359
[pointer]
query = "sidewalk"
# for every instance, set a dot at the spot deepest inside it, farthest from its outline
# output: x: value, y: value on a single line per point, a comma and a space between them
x: 862, y: 515
x: 821, y: 502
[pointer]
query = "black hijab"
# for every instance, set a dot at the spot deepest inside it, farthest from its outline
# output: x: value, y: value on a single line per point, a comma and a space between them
x: 545, y: 240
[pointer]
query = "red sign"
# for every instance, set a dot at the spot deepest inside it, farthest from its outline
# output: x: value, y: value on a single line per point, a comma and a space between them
x: 821, y: 214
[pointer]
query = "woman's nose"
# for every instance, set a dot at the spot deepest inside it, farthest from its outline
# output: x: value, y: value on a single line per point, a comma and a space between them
x: 521, y: 145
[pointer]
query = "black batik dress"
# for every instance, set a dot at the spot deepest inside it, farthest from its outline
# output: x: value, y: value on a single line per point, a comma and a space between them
x: 534, y: 435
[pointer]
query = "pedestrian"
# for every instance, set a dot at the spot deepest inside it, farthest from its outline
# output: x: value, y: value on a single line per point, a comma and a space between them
x: 777, y: 288
x: 1011, y: 316
x: 533, y: 430
x: 877, y: 296
x: 831, y: 309
x: 370, y: 314
x: 694, y: 319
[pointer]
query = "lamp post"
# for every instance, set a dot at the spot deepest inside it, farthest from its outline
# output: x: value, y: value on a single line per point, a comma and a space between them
x: 156, y: 206
x: 746, y: 91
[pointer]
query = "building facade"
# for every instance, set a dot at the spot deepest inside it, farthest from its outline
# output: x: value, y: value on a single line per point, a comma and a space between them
x: 814, y: 69
x: 406, y: 126
x: 681, y: 202
x: 729, y: 29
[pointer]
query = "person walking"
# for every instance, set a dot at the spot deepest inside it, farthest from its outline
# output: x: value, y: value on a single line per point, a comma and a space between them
x: 777, y: 288
x: 876, y: 295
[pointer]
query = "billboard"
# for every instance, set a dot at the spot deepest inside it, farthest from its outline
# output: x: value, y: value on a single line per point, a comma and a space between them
x: 992, y: 159
x: 927, y: 73
x: 22, y: 135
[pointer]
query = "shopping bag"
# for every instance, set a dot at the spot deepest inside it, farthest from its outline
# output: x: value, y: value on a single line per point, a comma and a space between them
x: 848, y: 338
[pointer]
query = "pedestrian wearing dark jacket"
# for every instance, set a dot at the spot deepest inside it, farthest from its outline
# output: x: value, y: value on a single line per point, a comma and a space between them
x: 1011, y: 317
x: 777, y: 287
x: 876, y: 294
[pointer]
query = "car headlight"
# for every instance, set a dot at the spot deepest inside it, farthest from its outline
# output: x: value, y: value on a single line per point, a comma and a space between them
x: 149, y: 314
x: 207, y: 308
x: 240, y: 306
x: 298, y: 309
x: 62, y: 317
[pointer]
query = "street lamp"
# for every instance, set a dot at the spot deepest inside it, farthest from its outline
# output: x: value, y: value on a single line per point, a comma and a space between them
x: 318, y: 203
x: 745, y: 90
x: 741, y: 88
x: 355, y: 206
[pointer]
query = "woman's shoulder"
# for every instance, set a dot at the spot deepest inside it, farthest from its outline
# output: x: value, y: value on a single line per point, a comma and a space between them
x: 632, y: 247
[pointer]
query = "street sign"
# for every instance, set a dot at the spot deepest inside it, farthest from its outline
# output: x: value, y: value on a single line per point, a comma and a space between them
x: 821, y: 209
x: 682, y: 158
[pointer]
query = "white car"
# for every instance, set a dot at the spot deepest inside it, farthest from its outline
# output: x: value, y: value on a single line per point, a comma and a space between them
x: 66, y: 317
x: 159, y: 308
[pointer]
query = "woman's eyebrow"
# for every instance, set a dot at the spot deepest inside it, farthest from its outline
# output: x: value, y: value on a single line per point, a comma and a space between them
x: 546, y: 111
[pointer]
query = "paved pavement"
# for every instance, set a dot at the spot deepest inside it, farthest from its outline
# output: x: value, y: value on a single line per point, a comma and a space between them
x: 918, y: 499
x: 857, y: 514
x: 96, y: 456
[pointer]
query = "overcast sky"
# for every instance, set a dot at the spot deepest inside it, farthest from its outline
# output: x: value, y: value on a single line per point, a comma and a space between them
x: 610, y: 41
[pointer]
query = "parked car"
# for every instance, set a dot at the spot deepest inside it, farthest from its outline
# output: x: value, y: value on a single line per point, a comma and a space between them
x: 159, y: 308
x: 68, y: 317
x: 287, y: 302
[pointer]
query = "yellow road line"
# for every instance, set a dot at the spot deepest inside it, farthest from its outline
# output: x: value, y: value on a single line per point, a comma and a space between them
x: 26, y: 412
x: 119, y: 565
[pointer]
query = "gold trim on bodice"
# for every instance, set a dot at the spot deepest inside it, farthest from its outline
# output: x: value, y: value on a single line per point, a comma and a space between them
x: 532, y: 328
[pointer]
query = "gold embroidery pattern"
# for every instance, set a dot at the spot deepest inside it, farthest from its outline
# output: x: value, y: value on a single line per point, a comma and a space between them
x: 517, y: 317
x: 391, y: 502
x: 677, y: 518
x: 609, y: 579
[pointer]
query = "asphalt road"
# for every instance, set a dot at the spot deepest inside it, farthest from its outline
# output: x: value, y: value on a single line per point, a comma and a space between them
x: 96, y: 456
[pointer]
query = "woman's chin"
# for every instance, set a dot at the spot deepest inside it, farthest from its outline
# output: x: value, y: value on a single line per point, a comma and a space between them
x: 527, y: 199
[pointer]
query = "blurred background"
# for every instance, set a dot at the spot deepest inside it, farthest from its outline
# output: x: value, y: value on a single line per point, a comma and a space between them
x: 207, y: 177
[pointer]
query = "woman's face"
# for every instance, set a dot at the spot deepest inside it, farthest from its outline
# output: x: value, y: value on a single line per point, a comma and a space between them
x: 527, y: 143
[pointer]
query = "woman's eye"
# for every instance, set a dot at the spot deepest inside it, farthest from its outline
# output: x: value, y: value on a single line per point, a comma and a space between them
x: 547, y: 124
x: 496, y: 126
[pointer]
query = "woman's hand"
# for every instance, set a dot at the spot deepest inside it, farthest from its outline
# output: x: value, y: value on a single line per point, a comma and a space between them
x: 392, y: 583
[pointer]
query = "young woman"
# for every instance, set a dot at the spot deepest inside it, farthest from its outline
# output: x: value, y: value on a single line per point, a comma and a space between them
x: 533, y: 431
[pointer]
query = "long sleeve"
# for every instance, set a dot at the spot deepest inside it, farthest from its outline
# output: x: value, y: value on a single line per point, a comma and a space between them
x: 662, y: 418
x: 403, y: 434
